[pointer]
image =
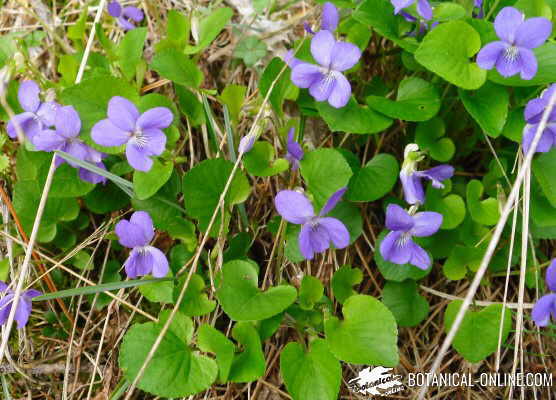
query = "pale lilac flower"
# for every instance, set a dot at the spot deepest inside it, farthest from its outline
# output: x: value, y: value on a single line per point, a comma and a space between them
x: 326, y: 81
x: 143, y: 259
x: 24, y: 306
x: 412, y: 179
x: 36, y: 116
x: 317, y: 231
x: 141, y: 133
x: 546, y: 305
x: 125, y: 16
x: 513, y: 54
x: 398, y: 246
x: 295, y: 152
x: 66, y: 138
x: 246, y: 144
x: 329, y: 21
x: 533, y: 114
x: 289, y: 58
x: 424, y: 9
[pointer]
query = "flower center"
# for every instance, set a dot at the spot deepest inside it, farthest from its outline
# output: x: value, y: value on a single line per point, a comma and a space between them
x: 139, y: 138
x: 328, y: 80
x: 403, y: 239
x: 511, y: 54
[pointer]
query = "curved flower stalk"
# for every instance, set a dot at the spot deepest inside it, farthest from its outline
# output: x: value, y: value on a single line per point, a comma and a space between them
x: 412, y: 179
x: 329, y: 20
x: 326, y: 81
x: 533, y: 113
x: 141, y: 133
x: 546, y: 305
x: 294, y: 151
x: 398, y: 246
x: 317, y: 231
x: 37, y: 115
x: 66, y: 138
x: 424, y: 9
x: 24, y: 305
x: 143, y: 259
x: 126, y: 16
x: 513, y: 54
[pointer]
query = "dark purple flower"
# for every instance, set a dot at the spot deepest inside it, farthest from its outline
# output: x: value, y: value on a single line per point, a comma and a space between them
x: 66, y: 138
x: 141, y: 133
x: 422, y: 26
x: 126, y: 15
x: 546, y: 305
x: 424, y: 9
x: 317, y: 231
x: 37, y: 115
x: 533, y: 114
x: 398, y: 246
x: 478, y: 4
x: 326, y: 81
x: 513, y: 53
x: 24, y: 306
x: 329, y: 21
x: 295, y: 152
x: 143, y: 259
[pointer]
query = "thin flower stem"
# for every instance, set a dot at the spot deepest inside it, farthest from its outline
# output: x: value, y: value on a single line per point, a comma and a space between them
x: 481, y: 303
x: 42, y: 203
x: 492, y: 245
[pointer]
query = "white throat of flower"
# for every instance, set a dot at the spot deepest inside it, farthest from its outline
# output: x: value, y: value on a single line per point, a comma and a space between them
x: 139, y: 138
x: 329, y: 78
x: 511, y: 54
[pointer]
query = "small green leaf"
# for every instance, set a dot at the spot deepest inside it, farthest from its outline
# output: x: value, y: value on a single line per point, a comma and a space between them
x: 543, y: 166
x: 249, y: 365
x: 130, y: 51
x: 212, y: 340
x: 353, y: 118
x: 408, y: 306
x: 195, y: 302
x: 233, y: 96
x: 210, y: 27
x: 429, y: 136
x: 446, y: 50
x: 313, y: 374
x: 461, y: 259
x: 259, y: 161
x: 250, y: 50
x: 485, y: 322
x: 310, y: 291
x: 485, y: 211
x: 325, y: 171
x: 452, y: 207
x: 343, y: 281
x: 367, y: 334
x: 282, y: 86
x: 417, y: 100
x: 374, y: 180
x: 146, y: 184
x: 176, y: 67
x: 488, y: 106
x: 242, y: 300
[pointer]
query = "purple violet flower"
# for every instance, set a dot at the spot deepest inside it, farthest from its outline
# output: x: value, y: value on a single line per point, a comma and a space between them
x: 24, y: 306
x: 141, y: 133
x: 317, y: 231
x: 533, y: 114
x: 326, y: 81
x: 246, y: 144
x: 424, y: 9
x: 422, y: 26
x: 66, y: 138
x: 546, y: 305
x: 126, y: 15
x: 295, y: 152
x: 398, y: 246
x: 478, y: 4
x: 36, y: 116
x: 412, y: 179
x: 513, y: 53
x: 329, y: 20
x: 289, y: 58
x: 143, y: 259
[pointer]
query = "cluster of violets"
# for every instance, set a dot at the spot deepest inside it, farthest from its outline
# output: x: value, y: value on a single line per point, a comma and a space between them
x: 398, y: 246
x: 545, y: 307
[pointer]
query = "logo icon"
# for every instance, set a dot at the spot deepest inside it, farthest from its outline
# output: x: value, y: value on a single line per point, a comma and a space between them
x: 377, y: 381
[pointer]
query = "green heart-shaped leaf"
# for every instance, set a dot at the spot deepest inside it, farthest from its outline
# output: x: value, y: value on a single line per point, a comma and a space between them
x: 147, y: 183
x: 485, y: 211
x: 446, y: 50
x: 367, y: 335
x: 249, y: 365
x: 343, y: 281
x: 374, y: 180
x: 212, y: 340
x: 242, y: 300
x: 485, y: 323
x: 314, y: 374
x: 407, y: 305
x: 488, y: 106
x: 259, y: 161
x: 429, y: 136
